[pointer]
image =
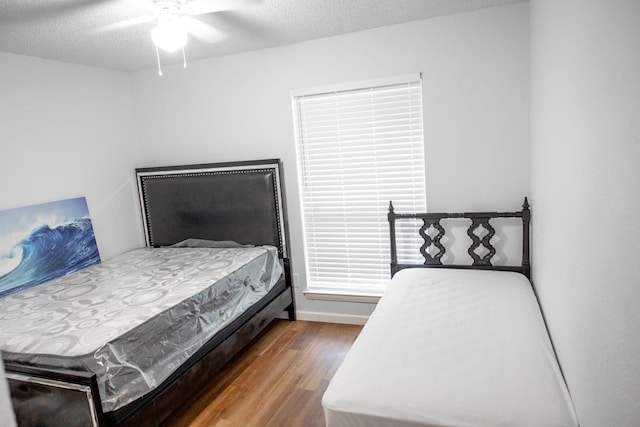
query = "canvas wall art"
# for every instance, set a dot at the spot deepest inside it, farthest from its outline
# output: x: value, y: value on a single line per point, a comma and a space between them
x: 42, y: 242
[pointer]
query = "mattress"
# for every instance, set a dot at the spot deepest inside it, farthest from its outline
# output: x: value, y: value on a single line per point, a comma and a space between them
x: 447, y: 347
x: 134, y: 320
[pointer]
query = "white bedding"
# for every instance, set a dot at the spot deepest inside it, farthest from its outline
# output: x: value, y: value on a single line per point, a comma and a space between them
x: 451, y: 348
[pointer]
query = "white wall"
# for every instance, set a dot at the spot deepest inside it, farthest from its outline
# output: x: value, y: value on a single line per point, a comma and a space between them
x: 67, y: 131
x: 475, y: 69
x: 585, y: 163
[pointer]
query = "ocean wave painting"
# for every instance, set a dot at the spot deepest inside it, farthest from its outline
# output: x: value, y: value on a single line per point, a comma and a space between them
x: 41, y: 242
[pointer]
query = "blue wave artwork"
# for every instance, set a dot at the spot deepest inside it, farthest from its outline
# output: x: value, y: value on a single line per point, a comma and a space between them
x: 42, y: 242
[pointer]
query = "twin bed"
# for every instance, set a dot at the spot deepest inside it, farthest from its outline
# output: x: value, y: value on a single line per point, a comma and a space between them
x: 453, y: 345
x: 128, y: 341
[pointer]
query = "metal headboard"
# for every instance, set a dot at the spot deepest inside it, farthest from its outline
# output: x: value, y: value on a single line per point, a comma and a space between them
x: 431, y: 221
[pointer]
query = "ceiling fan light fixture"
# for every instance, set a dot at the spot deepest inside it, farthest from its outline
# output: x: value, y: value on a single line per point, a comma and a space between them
x: 169, y: 35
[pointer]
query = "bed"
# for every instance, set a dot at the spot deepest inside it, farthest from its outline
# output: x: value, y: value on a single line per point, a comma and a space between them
x: 128, y: 341
x: 453, y: 345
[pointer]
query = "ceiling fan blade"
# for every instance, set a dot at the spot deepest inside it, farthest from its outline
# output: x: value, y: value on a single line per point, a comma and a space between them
x: 127, y: 23
x: 200, y: 7
x: 202, y: 31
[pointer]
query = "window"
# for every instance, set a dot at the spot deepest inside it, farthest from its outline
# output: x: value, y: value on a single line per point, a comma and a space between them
x: 359, y: 146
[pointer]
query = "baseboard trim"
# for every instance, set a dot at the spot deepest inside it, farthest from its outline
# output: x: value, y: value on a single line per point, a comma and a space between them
x: 348, y: 319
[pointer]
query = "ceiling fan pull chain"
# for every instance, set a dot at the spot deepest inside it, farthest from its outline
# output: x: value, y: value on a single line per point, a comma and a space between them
x: 184, y: 59
x: 158, y: 58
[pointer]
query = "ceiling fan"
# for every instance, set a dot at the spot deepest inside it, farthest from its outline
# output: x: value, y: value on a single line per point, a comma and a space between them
x: 176, y: 21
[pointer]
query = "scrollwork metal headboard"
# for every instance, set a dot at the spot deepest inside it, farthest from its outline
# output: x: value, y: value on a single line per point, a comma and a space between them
x: 432, y: 233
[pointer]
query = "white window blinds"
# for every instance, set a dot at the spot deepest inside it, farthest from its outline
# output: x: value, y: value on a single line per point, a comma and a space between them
x: 359, y: 146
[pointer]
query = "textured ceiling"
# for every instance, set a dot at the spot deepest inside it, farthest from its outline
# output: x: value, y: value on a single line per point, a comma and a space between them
x: 83, y: 31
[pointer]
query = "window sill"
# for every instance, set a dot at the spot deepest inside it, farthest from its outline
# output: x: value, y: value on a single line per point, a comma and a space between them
x: 342, y: 297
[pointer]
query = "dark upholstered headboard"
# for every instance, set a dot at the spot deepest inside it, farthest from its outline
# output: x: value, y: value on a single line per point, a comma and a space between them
x: 239, y: 201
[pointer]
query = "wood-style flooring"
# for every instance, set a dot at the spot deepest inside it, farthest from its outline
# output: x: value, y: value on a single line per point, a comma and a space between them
x: 278, y: 381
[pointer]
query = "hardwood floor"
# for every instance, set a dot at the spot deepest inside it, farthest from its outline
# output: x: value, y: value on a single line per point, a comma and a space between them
x: 278, y: 381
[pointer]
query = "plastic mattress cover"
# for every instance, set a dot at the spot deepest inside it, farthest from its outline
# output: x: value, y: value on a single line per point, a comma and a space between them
x: 135, y: 319
x: 451, y: 347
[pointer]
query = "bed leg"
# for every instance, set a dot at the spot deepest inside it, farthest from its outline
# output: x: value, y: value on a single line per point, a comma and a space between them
x: 291, y: 311
x: 288, y: 277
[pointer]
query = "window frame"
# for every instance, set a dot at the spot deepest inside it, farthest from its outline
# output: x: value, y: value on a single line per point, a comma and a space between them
x: 347, y: 293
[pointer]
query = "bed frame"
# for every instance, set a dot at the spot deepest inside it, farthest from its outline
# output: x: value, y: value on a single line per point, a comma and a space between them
x: 432, y: 233
x: 239, y: 201
x: 447, y: 350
